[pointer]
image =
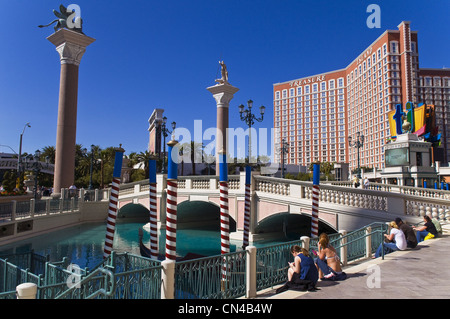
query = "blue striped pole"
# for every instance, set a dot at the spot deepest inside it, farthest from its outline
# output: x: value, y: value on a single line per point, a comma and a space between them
x: 247, y: 203
x: 171, y: 205
x: 153, y: 209
x: 315, y: 201
x: 224, y: 216
x: 113, y: 199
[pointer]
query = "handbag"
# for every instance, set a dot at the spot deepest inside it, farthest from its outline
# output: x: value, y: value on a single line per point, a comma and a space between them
x: 429, y: 236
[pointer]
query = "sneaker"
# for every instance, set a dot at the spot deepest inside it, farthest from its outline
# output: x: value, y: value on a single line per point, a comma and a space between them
x: 329, y: 275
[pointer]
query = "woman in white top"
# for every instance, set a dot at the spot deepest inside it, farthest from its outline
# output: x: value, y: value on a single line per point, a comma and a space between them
x: 397, y: 241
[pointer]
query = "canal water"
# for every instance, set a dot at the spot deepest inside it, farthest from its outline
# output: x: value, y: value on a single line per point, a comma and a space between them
x: 83, y: 244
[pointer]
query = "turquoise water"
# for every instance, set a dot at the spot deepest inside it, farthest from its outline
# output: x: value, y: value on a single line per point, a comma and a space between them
x: 83, y: 244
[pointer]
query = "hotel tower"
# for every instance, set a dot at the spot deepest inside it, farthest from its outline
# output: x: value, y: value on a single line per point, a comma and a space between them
x: 316, y: 114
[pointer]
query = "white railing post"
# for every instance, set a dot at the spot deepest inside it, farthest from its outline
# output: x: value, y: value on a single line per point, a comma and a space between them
x: 344, y: 247
x: 26, y: 290
x: 14, y: 210
x: 305, y: 242
x: 32, y: 207
x: 369, y: 242
x: 168, y: 279
x: 251, y: 272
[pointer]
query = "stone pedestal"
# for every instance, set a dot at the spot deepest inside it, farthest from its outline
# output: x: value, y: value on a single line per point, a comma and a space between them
x: 222, y: 93
x: 71, y: 46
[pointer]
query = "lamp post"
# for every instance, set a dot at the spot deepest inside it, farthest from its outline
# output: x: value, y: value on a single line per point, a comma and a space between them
x: 33, y: 163
x: 359, y: 143
x: 284, y: 149
x: 19, y: 159
x: 249, y: 118
x: 165, y: 132
x: 91, y: 166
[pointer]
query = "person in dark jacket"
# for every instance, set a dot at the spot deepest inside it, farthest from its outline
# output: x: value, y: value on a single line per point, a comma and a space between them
x: 411, y: 240
x: 428, y: 230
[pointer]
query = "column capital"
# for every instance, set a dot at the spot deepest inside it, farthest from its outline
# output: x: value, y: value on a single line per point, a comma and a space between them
x: 223, y: 93
x: 70, y: 45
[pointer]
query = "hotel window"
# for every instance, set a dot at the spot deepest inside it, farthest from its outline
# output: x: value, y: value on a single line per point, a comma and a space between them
x: 277, y: 95
x: 331, y: 84
x: 315, y: 87
x: 341, y: 82
x: 284, y: 94
x: 394, y: 47
x: 307, y: 89
x: 384, y: 49
x: 323, y: 86
x: 299, y: 90
x: 413, y: 46
x: 291, y: 92
x: 379, y: 54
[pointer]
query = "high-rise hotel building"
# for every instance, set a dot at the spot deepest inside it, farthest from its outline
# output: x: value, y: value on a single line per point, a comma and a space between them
x: 316, y: 114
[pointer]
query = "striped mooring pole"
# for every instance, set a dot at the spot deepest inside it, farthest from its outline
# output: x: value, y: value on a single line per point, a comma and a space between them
x: 247, y: 203
x: 224, y: 215
x: 113, y: 200
x: 171, y: 204
x: 315, y: 201
x: 153, y: 210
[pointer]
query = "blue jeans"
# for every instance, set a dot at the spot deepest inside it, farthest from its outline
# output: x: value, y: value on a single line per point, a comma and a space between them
x: 388, y: 248
x: 324, y: 266
x: 420, y: 235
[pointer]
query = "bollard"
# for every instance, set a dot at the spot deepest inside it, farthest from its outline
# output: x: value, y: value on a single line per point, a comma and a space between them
x: 251, y: 272
x: 26, y: 290
x: 168, y: 279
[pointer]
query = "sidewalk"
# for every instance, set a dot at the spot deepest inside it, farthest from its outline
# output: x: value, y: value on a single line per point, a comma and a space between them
x: 423, y: 272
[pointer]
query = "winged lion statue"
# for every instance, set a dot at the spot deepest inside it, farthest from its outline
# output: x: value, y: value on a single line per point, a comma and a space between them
x: 63, y: 15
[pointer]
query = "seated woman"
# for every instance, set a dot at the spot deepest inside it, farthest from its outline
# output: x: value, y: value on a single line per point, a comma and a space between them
x: 397, y: 241
x: 428, y: 229
x: 303, y: 266
x: 327, y: 261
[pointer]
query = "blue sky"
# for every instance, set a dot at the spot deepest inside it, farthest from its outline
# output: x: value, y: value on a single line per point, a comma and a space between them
x: 164, y: 54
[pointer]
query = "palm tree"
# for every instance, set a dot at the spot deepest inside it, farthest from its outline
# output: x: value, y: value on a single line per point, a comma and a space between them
x: 195, y: 151
x: 49, y: 151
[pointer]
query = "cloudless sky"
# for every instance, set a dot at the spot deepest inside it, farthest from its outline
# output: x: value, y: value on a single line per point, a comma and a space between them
x: 164, y: 54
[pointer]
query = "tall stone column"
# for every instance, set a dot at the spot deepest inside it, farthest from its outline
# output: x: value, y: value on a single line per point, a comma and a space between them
x: 222, y: 93
x: 71, y: 46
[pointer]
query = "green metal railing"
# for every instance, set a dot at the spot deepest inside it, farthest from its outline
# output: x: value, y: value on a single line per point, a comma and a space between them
x: 203, y: 278
x: 127, y: 276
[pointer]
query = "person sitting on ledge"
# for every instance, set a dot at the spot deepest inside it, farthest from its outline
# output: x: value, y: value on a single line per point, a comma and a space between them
x: 411, y: 240
x: 327, y: 261
x: 427, y: 231
x: 396, y: 238
x: 303, y: 266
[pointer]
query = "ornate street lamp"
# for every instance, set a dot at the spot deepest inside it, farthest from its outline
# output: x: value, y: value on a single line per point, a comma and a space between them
x: 249, y: 118
x: 165, y: 132
x: 284, y: 149
x: 19, y: 159
x: 359, y: 143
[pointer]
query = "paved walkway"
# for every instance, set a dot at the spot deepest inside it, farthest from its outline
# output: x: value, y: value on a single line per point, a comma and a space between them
x: 422, y: 272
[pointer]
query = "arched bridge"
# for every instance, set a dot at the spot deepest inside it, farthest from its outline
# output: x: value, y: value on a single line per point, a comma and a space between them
x: 280, y: 205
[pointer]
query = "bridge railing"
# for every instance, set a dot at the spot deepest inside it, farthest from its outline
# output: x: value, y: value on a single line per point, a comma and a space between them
x: 380, y: 198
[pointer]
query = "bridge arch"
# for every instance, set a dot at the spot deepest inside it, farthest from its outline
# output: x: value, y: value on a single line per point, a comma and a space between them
x: 291, y: 225
x: 199, y: 212
x: 133, y: 211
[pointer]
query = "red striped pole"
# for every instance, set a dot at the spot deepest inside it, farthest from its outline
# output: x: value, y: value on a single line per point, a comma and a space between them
x: 247, y: 204
x: 154, y: 251
x: 224, y: 215
x: 113, y: 200
x: 315, y: 201
x: 171, y: 204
